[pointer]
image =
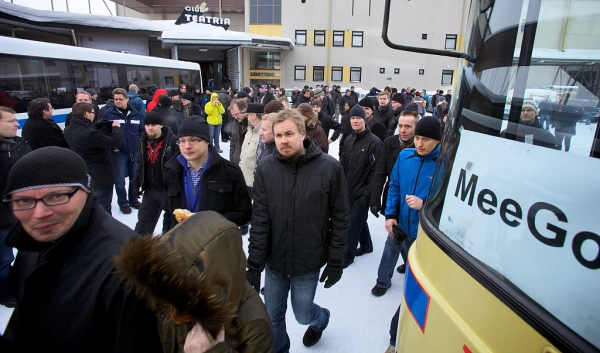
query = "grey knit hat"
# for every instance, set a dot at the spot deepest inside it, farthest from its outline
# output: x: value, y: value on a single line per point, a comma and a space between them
x: 194, y: 126
x: 46, y: 168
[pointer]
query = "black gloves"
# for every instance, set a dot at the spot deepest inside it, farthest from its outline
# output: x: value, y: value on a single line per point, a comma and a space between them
x: 253, y: 277
x: 375, y: 210
x: 363, y: 201
x: 332, y: 272
x: 135, y: 189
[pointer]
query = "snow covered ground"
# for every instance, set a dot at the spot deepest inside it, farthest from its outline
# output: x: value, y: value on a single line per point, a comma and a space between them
x: 359, y: 321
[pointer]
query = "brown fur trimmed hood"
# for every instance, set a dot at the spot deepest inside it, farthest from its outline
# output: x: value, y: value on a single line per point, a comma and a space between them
x: 198, y: 267
x: 312, y: 121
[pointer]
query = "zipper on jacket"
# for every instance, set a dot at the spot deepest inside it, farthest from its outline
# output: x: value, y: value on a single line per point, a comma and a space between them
x: 415, y: 188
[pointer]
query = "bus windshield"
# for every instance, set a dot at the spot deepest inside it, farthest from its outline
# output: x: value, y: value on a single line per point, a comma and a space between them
x: 515, y: 185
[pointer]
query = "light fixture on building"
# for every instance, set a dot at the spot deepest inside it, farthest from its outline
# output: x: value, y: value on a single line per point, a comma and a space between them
x: 203, y: 49
x: 421, y: 71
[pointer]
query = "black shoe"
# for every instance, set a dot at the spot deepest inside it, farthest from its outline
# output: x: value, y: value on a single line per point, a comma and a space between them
x: 311, y: 337
x: 379, y: 291
x: 262, y: 291
x: 224, y: 140
x: 125, y: 209
x: 10, y: 303
x: 244, y: 230
x: 135, y: 204
x: 401, y: 268
x: 361, y: 251
x: 348, y: 263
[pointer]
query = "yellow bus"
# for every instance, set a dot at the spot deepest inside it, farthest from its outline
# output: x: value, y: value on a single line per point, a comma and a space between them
x: 507, y: 257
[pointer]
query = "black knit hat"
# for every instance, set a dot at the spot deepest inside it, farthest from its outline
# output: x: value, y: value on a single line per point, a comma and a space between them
x: 257, y: 108
x: 187, y: 95
x: 366, y: 102
x: 165, y: 101
x: 429, y: 127
x: 358, y: 110
x: 274, y: 107
x: 153, y: 118
x: 196, y: 126
x: 242, y: 94
x: 399, y: 98
x: 48, y: 167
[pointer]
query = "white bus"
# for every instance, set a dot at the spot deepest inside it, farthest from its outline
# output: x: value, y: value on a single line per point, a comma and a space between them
x: 30, y: 69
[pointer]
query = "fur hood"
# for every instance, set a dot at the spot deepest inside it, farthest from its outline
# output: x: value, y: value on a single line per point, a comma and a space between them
x: 313, y: 121
x: 198, y: 267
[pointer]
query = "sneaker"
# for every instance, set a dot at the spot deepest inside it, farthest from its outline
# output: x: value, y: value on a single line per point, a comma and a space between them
x: 361, y: 251
x: 10, y: 303
x: 379, y: 291
x: 125, y: 209
x: 348, y: 263
x: 311, y: 337
x: 390, y: 349
x: 220, y: 151
x: 401, y: 268
x: 135, y: 204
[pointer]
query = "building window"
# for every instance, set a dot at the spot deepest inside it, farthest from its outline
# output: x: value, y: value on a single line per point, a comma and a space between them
x: 265, y: 60
x: 357, y: 38
x: 300, y: 73
x: 397, y: 71
x: 265, y: 12
x: 424, y: 36
x: 382, y: 70
x: 337, y: 73
x: 451, y: 41
x: 421, y: 71
x: 320, y: 38
x: 338, y: 38
x: 355, y: 73
x: 318, y: 73
x: 301, y: 37
x: 447, y: 77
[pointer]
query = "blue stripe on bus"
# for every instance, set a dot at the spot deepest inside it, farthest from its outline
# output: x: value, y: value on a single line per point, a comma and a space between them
x: 58, y: 118
x: 417, y: 300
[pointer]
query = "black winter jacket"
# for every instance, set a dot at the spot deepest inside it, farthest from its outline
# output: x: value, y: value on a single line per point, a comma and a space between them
x: 69, y: 298
x: 327, y: 123
x: 168, y: 151
x: 93, y: 146
x: 301, y: 213
x: 358, y: 158
x: 383, y: 168
x: 11, y: 150
x: 385, y: 115
x: 40, y: 132
x: 171, y: 117
x: 223, y: 189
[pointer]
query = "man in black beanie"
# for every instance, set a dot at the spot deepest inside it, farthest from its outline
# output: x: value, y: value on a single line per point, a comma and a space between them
x: 409, y: 186
x: 156, y: 147
x: 376, y: 127
x: 69, y: 298
x: 199, y: 179
x: 398, y: 103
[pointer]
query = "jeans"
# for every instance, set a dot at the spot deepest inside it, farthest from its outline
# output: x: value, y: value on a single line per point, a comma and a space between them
x: 152, y: 205
x: 6, y: 258
x: 215, y: 135
x: 359, y: 230
x: 125, y: 166
x: 389, y: 257
x: 545, y: 120
x: 562, y: 136
x: 406, y: 244
x: 303, y: 290
x: 105, y: 196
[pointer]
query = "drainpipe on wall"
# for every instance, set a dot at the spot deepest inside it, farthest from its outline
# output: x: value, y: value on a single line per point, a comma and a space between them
x: 326, y: 79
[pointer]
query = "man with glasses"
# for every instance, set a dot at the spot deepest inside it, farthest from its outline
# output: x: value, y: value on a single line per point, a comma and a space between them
x: 199, y: 179
x: 125, y: 156
x: 93, y: 146
x: 69, y: 297
x: 12, y: 148
x: 239, y: 127
x: 40, y: 130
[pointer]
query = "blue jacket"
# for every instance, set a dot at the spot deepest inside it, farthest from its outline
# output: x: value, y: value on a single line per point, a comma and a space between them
x: 137, y: 103
x: 132, y: 127
x: 412, y: 175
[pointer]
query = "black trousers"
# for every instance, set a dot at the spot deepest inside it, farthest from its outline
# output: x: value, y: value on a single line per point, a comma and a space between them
x: 226, y: 128
x: 152, y: 205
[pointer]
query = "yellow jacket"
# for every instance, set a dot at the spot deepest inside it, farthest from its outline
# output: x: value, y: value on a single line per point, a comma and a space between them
x: 213, y: 112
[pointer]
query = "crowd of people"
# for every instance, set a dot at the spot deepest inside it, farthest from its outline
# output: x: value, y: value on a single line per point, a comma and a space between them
x: 82, y: 281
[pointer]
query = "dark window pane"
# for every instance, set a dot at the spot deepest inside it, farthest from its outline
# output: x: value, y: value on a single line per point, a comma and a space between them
x: 276, y: 15
x: 265, y: 14
x: 253, y: 14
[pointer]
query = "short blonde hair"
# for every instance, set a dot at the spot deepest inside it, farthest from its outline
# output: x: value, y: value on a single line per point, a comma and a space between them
x: 289, y: 114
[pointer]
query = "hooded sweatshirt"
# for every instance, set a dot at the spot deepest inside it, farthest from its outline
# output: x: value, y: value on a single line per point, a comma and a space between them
x: 213, y: 112
x: 154, y: 101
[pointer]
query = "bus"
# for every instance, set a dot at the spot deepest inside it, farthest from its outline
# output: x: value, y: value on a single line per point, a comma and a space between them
x: 31, y: 69
x: 507, y: 257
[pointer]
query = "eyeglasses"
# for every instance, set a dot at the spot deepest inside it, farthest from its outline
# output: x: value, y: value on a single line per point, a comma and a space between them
x: 48, y: 200
x: 238, y: 113
x: 10, y: 121
x: 191, y: 142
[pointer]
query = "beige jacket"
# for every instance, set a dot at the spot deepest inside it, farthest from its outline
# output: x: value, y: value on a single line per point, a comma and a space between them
x: 248, y: 155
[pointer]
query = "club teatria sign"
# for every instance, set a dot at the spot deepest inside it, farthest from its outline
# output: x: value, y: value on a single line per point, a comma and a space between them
x: 195, y: 14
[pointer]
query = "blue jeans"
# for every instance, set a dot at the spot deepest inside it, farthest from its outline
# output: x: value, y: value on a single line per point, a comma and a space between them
x: 406, y: 244
x: 105, y: 196
x: 6, y: 258
x: 389, y: 257
x: 545, y: 120
x: 125, y: 166
x: 215, y: 135
x: 359, y: 230
x: 303, y: 290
